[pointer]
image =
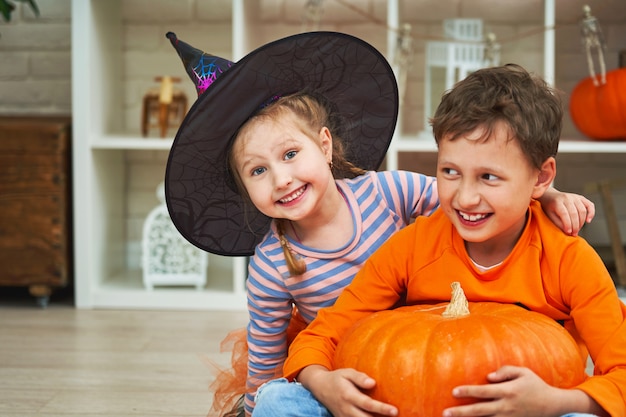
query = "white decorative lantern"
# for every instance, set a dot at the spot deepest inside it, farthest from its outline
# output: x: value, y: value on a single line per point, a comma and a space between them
x: 465, y: 52
x: 167, y: 258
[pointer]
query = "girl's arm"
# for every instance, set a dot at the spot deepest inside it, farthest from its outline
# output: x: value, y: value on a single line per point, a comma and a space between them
x: 409, y: 194
x: 267, y: 329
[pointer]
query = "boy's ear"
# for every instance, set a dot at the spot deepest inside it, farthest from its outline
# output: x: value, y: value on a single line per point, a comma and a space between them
x: 326, y: 143
x: 545, y: 178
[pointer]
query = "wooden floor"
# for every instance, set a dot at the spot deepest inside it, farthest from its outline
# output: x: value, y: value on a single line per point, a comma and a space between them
x: 60, y: 361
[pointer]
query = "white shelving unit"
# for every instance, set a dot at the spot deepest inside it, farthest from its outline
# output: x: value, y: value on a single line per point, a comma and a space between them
x: 426, y: 144
x: 100, y: 146
x: 102, y: 278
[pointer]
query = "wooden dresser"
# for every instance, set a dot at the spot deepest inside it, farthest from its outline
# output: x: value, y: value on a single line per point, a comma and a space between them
x: 35, y: 204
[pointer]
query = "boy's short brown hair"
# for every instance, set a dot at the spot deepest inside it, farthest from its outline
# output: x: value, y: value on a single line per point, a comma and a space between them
x: 525, y: 102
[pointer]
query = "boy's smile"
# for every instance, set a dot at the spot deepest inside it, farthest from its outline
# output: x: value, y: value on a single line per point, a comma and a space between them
x: 486, y: 196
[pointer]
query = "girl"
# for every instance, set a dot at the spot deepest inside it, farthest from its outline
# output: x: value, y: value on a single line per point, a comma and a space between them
x: 283, y: 159
x: 304, y: 163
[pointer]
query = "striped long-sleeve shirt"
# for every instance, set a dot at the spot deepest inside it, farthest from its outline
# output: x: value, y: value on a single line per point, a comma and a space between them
x: 381, y: 204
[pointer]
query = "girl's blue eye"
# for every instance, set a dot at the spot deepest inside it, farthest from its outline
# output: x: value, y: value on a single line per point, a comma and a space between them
x: 258, y: 171
x: 290, y: 154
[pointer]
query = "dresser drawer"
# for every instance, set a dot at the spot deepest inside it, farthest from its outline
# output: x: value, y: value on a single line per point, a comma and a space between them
x: 35, y: 214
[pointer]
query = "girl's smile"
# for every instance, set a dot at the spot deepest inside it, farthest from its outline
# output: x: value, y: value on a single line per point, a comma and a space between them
x: 293, y: 197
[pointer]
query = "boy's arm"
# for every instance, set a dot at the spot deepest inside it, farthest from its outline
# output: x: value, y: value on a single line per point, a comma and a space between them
x: 566, y: 210
x: 600, y: 319
x: 576, y: 280
x: 376, y: 287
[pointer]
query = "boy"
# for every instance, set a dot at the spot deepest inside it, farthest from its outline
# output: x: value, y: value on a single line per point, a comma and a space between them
x: 497, y: 133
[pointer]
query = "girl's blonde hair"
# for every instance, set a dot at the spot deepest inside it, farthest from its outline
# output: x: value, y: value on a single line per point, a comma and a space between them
x: 315, y: 112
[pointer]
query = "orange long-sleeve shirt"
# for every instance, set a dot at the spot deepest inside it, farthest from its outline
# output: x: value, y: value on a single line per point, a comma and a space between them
x: 547, y: 271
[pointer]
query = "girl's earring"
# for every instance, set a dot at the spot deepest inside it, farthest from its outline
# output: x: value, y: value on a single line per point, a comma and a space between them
x: 330, y: 164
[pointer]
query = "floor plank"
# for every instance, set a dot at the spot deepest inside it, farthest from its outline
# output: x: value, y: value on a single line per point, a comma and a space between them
x: 61, y: 361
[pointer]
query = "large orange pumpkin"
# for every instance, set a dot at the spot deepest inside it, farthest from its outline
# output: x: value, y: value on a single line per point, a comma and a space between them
x: 600, y: 111
x: 417, y: 355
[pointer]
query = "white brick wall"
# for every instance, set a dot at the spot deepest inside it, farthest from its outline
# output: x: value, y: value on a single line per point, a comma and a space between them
x: 35, y: 71
x: 35, y: 76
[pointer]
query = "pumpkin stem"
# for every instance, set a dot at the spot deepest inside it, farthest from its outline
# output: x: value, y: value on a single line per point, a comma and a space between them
x: 458, y: 306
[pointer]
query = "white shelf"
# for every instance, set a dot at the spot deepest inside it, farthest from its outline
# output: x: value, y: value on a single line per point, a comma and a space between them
x: 421, y: 143
x: 590, y: 146
x: 425, y: 143
x: 130, y: 142
x: 171, y: 299
x: 125, y: 290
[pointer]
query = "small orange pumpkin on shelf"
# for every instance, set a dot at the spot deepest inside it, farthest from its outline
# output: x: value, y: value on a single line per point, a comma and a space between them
x: 417, y: 355
x: 599, y: 112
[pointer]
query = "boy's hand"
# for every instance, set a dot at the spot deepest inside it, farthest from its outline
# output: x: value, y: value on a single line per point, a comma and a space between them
x: 568, y: 211
x: 340, y: 391
x: 514, y: 391
x: 519, y: 392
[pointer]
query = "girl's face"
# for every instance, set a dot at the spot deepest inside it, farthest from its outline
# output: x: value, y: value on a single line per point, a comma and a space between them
x: 285, y: 172
x: 485, y: 188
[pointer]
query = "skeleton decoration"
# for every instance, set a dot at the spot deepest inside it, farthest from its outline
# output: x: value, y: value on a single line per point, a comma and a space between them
x: 312, y: 15
x: 492, y: 50
x: 593, y: 40
x: 403, y: 57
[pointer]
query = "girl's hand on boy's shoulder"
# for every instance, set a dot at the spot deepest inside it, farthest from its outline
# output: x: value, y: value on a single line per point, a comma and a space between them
x: 568, y: 211
x: 341, y: 392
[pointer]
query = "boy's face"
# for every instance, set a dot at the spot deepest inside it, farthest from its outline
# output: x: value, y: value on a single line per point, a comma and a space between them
x: 485, y: 187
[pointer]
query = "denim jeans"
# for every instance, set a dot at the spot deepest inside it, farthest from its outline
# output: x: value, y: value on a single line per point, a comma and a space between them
x: 280, y: 398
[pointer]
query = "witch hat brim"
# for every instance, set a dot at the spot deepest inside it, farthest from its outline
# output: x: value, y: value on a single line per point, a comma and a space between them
x: 202, y: 203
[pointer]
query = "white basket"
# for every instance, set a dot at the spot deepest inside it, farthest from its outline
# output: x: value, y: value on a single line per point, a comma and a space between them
x: 463, y: 29
x: 167, y: 257
x: 463, y: 54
